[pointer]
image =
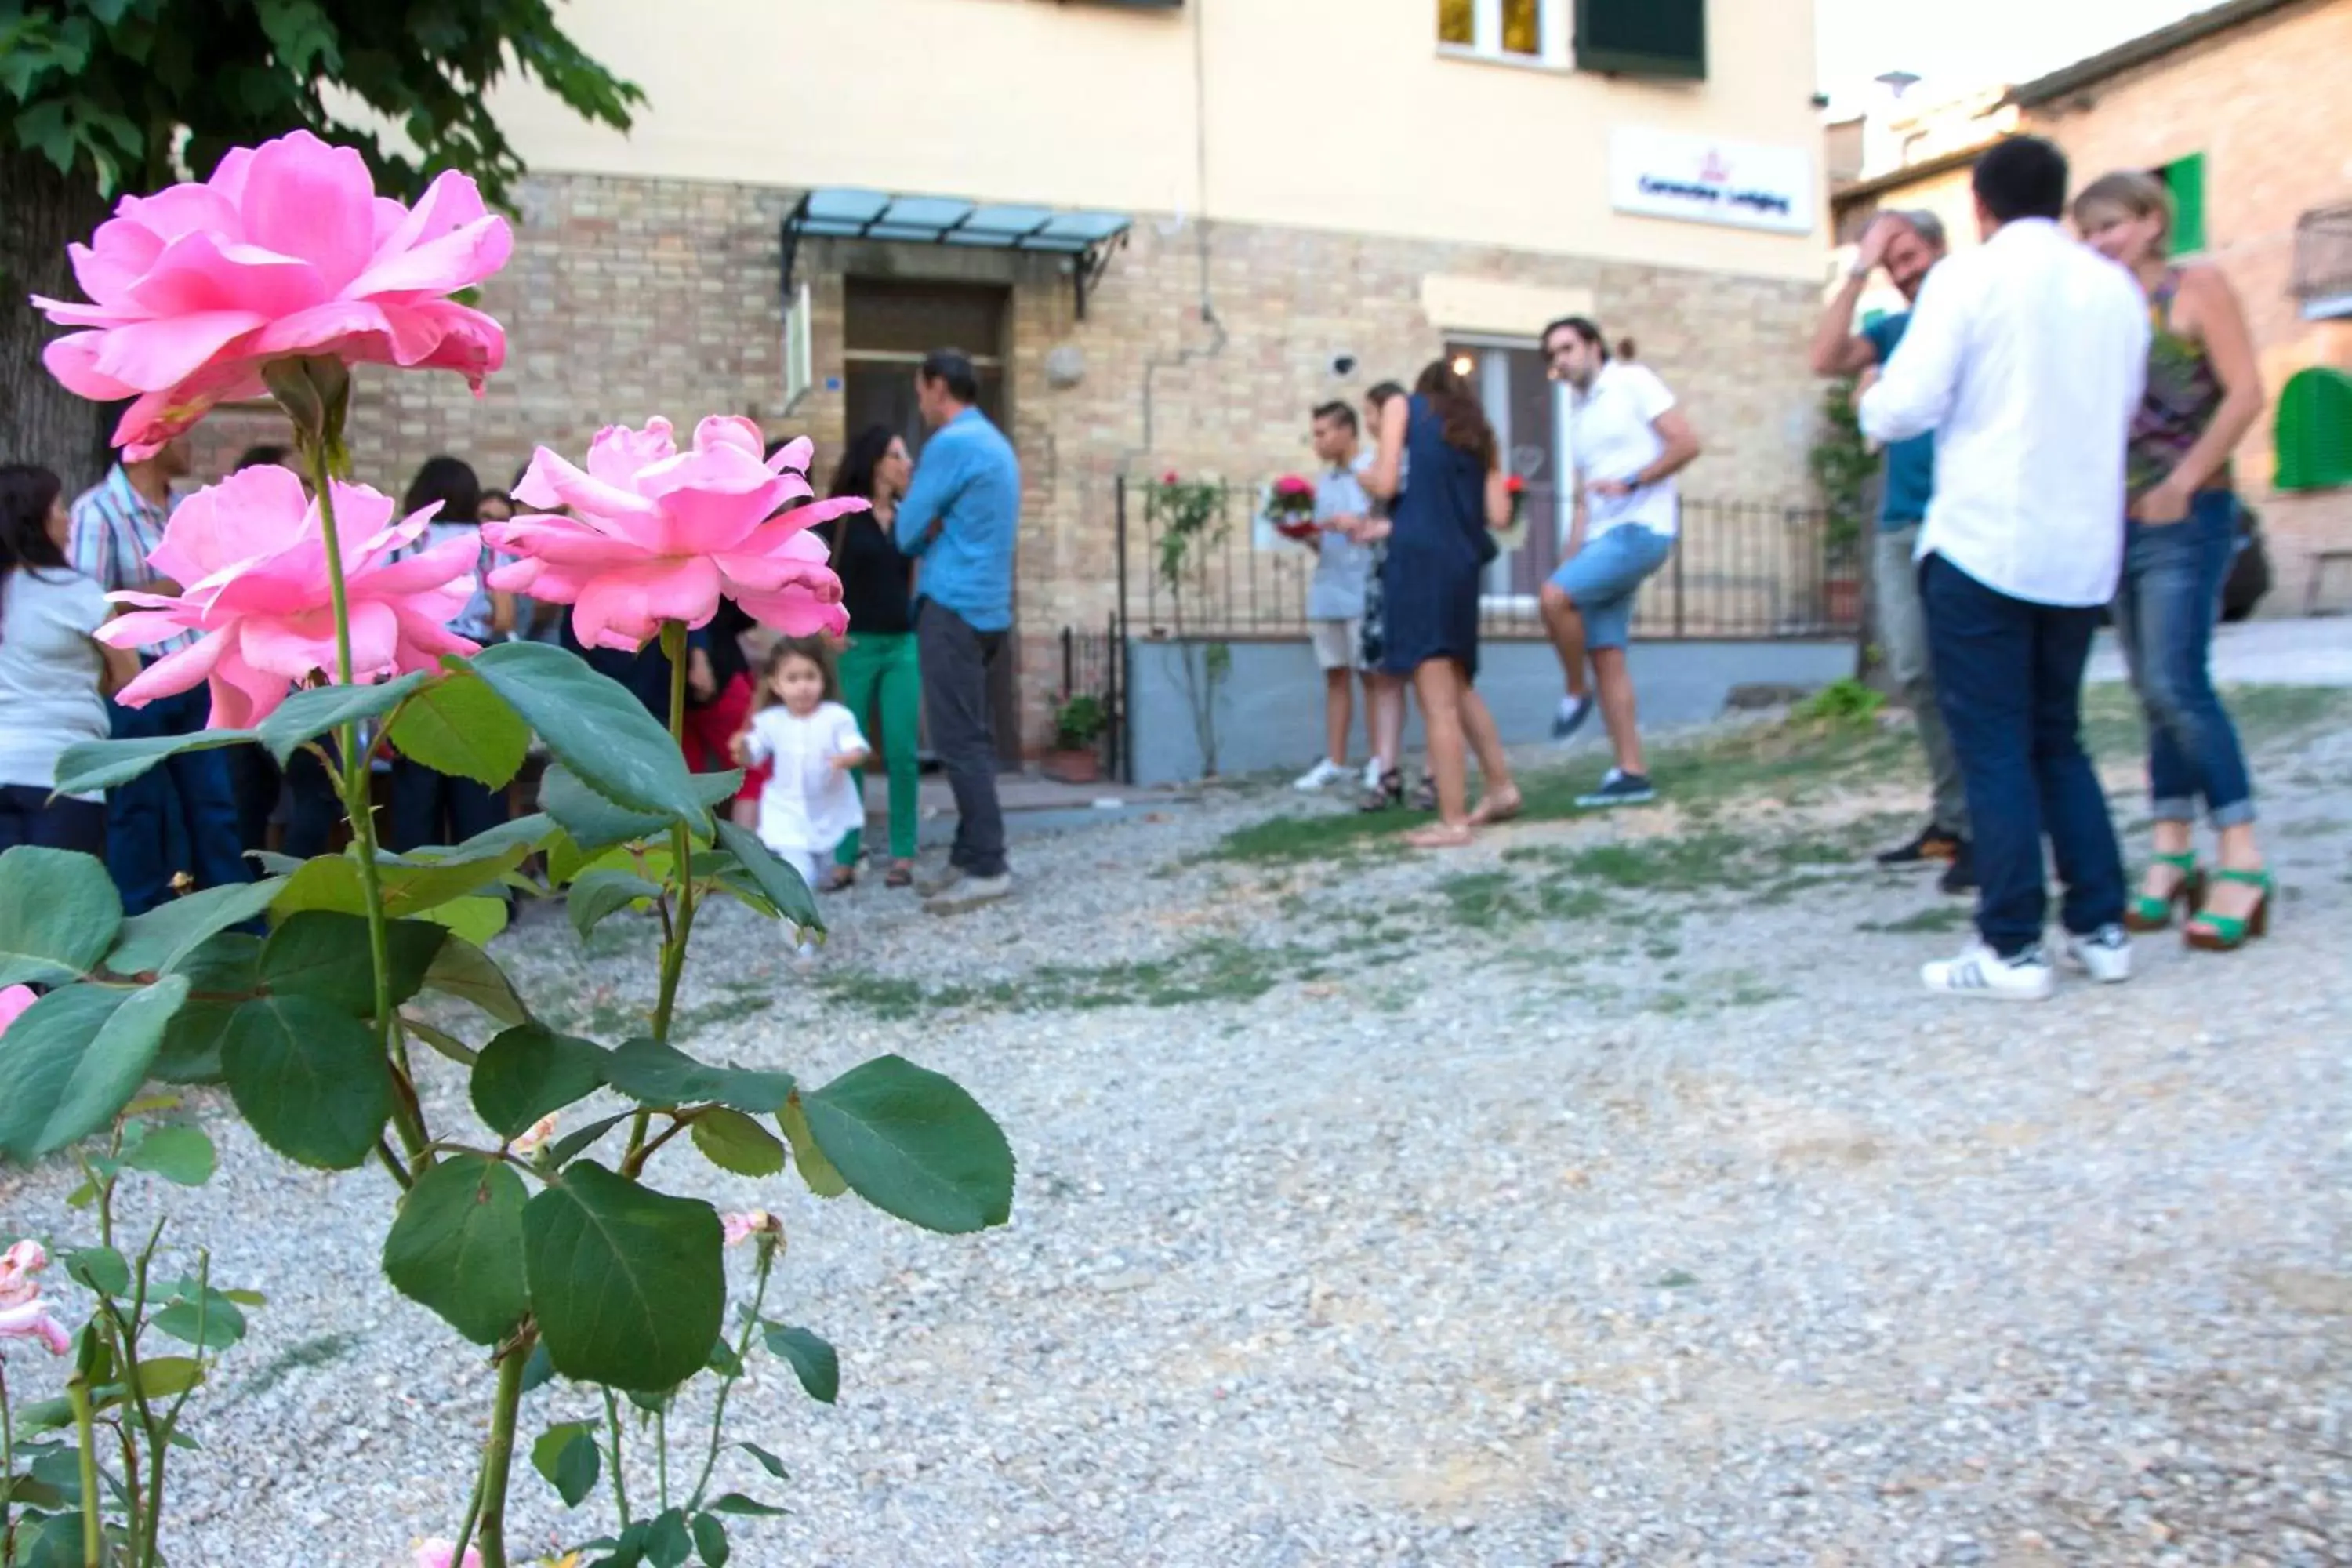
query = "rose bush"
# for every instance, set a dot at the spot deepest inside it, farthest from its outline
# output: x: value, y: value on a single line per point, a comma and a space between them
x: 545, y: 1247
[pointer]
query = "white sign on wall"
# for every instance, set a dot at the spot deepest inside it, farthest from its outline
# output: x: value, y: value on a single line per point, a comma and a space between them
x: 1699, y: 179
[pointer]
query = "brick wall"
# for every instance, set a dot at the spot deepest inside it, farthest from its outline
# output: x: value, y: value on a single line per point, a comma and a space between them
x: 627, y: 299
x: 2274, y: 124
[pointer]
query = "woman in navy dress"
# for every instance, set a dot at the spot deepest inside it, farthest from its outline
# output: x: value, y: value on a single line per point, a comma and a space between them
x: 1438, y: 545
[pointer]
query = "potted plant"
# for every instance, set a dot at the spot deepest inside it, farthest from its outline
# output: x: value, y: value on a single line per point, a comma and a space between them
x: 1843, y: 464
x: 1079, y: 723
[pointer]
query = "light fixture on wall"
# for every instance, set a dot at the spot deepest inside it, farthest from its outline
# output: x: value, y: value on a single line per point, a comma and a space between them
x: 1465, y: 366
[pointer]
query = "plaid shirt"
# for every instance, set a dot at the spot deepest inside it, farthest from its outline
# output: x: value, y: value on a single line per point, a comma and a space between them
x: 114, y: 529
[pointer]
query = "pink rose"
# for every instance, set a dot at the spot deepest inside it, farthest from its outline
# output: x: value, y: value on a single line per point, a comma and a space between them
x: 17, y: 1266
x: 442, y: 1554
x: 532, y: 1137
x: 252, y: 558
x: 739, y: 1229
x: 655, y: 534
x: 24, y: 1315
x: 13, y: 1001
x: 1169, y: 477
x: 285, y: 250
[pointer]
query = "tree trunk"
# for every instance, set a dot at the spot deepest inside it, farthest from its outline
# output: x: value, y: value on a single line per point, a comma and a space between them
x: 41, y: 421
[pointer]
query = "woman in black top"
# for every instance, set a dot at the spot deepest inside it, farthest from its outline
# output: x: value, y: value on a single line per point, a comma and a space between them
x: 881, y: 682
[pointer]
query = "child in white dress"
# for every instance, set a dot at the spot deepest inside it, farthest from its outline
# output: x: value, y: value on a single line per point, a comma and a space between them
x: 809, y: 804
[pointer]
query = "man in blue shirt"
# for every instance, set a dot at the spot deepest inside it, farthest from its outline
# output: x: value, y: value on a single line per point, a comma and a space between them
x: 1908, y: 244
x: 960, y: 516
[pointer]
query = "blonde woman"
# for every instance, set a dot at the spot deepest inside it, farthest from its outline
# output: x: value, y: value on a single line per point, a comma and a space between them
x: 2204, y: 393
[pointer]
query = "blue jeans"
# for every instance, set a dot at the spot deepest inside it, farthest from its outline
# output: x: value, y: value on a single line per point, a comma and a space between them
x: 2165, y: 612
x: 2009, y: 678
x: 180, y: 814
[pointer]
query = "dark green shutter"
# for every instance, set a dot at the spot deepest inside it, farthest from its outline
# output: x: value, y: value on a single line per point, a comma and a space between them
x: 2314, y: 431
x: 1642, y: 37
x: 2185, y: 177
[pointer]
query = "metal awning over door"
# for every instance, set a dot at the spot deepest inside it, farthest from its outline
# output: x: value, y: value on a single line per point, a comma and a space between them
x: 1088, y: 238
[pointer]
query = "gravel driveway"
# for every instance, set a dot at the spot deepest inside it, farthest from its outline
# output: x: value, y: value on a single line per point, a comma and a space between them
x: 1606, y: 1194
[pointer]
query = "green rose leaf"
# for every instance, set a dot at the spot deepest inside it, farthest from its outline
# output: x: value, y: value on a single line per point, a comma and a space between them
x: 814, y: 1168
x: 58, y: 915
x: 162, y: 939
x: 310, y: 1077
x: 595, y: 727
x: 181, y: 1155
x: 579, y: 1139
x: 593, y: 824
x: 812, y: 1361
x: 223, y: 1319
x: 102, y: 1268
x: 410, y: 887
x: 458, y: 726
x: 710, y: 1540
x: 598, y: 894
x: 161, y: 1377
x: 768, y: 1462
x: 780, y: 882
x: 223, y: 973
x: 95, y: 765
x: 461, y: 969
x: 567, y: 1455
x: 457, y: 1246
x: 627, y: 1283
x: 324, y: 954
x: 531, y: 832
x: 652, y: 1073
x: 667, y: 1544
x: 733, y: 1142
x: 75, y: 1058
x: 530, y: 1071
x: 306, y: 715
x: 477, y: 919
x: 750, y: 1507
x: 912, y: 1142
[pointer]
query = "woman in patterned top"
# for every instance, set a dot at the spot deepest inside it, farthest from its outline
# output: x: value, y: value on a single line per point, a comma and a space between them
x: 2204, y: 393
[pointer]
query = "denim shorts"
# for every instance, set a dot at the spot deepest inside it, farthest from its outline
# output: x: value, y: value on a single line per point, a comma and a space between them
x: 1603, y: 578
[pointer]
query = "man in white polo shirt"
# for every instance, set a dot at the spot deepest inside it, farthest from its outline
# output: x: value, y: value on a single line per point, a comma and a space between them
x: 1627, y: 440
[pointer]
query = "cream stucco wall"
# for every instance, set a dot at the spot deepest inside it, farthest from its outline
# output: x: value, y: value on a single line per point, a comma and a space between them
x: 1331, y: 115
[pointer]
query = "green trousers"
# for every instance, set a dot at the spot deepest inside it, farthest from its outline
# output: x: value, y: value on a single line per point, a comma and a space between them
x: 882, y: 685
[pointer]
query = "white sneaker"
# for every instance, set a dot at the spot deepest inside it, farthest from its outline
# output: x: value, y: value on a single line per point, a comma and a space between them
x: 2106, y: 956
x: 1980, y: 971
x: 1373, y: 772
x: 1322, y: 775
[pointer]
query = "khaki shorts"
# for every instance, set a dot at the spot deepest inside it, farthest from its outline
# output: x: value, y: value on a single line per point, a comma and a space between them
x: 1338, y: 645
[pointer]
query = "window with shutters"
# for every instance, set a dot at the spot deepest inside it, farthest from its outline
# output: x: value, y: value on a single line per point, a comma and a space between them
x: 1642, y: 37
x: 1519, y: 32
x: 2185, y: 178
x: 2314, y: 431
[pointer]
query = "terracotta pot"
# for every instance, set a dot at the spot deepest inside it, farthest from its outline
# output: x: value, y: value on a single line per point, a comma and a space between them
x: 1073, y: 767
x: 1843, y: 600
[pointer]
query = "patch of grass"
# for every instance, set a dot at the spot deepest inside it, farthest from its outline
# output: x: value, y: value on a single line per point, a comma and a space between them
x: 1217, y: 970
x: 1484, y: 900
x: 1936, y: 917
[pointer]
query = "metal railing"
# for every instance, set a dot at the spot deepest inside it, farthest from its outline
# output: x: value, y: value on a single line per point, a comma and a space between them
x: 1739, y: 569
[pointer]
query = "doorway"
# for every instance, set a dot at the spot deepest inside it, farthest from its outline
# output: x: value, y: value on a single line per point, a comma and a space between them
x: 889, y: 325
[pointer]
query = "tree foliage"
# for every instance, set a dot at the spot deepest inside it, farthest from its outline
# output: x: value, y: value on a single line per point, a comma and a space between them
x: 134, y: 94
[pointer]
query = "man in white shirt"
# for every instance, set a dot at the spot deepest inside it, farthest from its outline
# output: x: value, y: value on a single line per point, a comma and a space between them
x: 2027, y: 358
x: 1627, y: 440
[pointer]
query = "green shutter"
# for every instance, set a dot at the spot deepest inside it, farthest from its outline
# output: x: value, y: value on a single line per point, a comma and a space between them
x: 1642, y: 37
x: 2185, y: 177
x: 2314, y: 431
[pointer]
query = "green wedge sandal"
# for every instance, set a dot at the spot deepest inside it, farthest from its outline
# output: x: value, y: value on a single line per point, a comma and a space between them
x: 2226, y: 933
x: 2145, y: 914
